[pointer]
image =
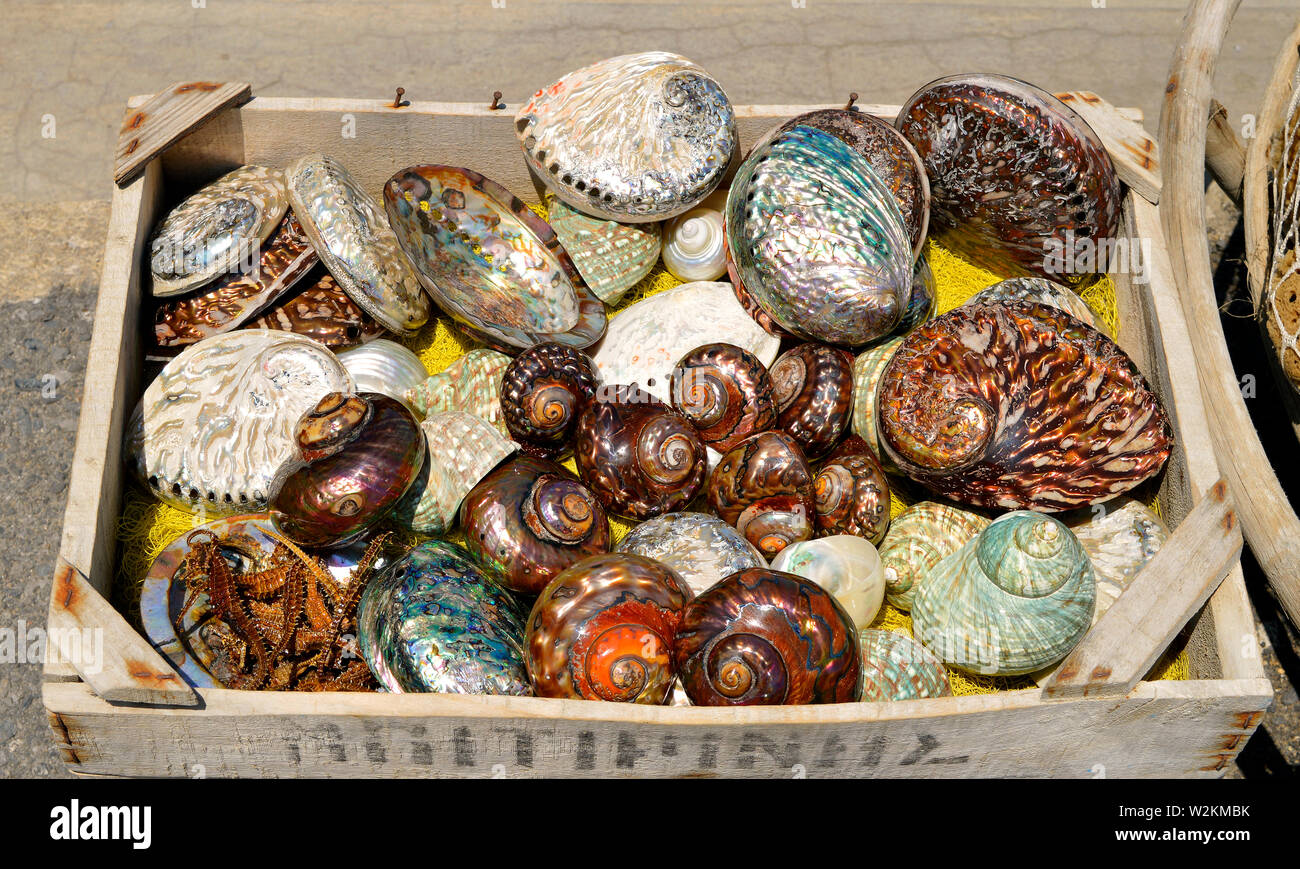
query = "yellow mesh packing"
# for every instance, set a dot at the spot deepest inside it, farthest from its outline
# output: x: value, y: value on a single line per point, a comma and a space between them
x: 147, y: 526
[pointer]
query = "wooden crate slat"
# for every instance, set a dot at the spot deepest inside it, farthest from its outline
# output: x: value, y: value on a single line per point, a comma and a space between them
x: 1132, y: 150
x: 151, y: 128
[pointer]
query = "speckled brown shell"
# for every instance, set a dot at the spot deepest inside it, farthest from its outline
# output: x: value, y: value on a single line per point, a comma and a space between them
x: 763, y: 487
x: 543, y: 391
x: 852, y: 493
x: 1019, y: 405
x: 725, y: 392
x: 814, y: 396
x: 639, y: 456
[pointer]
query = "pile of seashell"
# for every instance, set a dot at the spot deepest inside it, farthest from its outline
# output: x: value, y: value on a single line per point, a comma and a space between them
x: 750, y: 423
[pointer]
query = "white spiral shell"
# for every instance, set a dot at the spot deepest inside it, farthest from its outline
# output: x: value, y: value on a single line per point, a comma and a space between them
x: 695, y: 245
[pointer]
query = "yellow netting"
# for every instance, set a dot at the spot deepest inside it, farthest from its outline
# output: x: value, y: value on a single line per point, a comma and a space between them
x: 147, y: 526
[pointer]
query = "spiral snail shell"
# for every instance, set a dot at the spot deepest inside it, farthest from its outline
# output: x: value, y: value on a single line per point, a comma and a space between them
x: 529, y: 519
x: 920, y: 538
x: 852, y: 493
x: 695, y: 245
x: 639, y: 456
x: 1019, y: 405
x: 604, y: 629
x: 763, y: 637
x: 543, y: 390
x: 813, y: 385
x: 763, y: 487
x: 725, y: 392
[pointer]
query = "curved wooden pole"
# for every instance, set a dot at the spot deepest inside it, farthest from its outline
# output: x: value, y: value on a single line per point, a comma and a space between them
x: 1268, y: 520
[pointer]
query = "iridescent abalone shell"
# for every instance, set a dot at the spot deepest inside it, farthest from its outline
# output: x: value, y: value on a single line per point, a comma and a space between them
x: 492, y: 264
x: 1015, y: 599
x: 920, y: 305
x: 920, y: 538
x: 852, y: 493
x: 817, y: 239
x: 701, y: 548
x: 813, y: 386
x: 215, y: 229
x: 763, y: 487
x: 639, y: 456
x: 319, y: 310
x: 472, y: 383
x: 433, y: 621
x: 604, y: 629
x: 385, y: 367
x: 633, y: 138
x: 530, y: 519
x: 897, y: 667
x: 543, y: 391
x: 1044, y: 291
x: 1120, y: 537
x: 1019, y: 405
x: 762, y: 637
x: 348, y: 230
x: 235, y: 297
x: 725, y: 392
x: 215, y: 429
x: 846, y: 566
x: 1014, y: 172
x: 362, y: 453
x: 611, y: 257
x: 695, y: 245
x: 890, y: 155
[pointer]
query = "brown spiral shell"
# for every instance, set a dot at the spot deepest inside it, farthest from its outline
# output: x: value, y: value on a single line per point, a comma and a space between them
x: 529, y: 519
x: 725, y: 392
x: 1021, y: 406
x: 761, y: 636
x: 543, y: 390
x: 852, y: 493
x: 639, y: 456
x: 604, y: 629
x: 814, y: 395
x: 763, y: 487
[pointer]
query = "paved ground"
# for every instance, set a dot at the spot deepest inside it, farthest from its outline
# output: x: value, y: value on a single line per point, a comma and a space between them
x: 68, y: 67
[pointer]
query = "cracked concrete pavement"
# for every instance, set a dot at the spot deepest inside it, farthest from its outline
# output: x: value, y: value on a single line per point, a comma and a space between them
x: 66, y: 69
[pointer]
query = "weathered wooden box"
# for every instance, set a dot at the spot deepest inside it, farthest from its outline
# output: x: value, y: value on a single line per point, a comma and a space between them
x: 135, y: 717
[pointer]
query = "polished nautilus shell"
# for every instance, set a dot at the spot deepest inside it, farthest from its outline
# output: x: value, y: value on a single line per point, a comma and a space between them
x: 922, y: 536
x: 604, y: 629
x: 471, y: 384
x: 1015, y: 174
x: 852, y: 493
x: 611, y: 257
x: 725, y: 392
x: 1044, y: 291
x: 817, y: 239
x: 765, y: 637
x: 633, y: 138
x: 530, y: 519
x: 1015, y: 599
x: 897, y: 667
x: 891, y: 156
x: 848, y: 567
x: 701, y: 548
x: 492, y: 264
x: 318, y: 309
x: 433, y: 621
x: 215, y: 429
x: 1120, y: 537
x: 216, y: 230
x: 362, y: 453
x: 1019, y: 405
x: 695, y: 245
x: 385, y: 367
x: 639, y: 456
x: 543, y: 391
x: 763, y: 487
x: 813, y: 385
x: 348, y: 230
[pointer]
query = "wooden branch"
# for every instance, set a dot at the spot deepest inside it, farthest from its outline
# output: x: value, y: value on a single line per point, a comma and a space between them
x: 1269, y: 522
x: 167, y: 117
x: 1129, y: 638
x: 1225, y: 155
x: 1131, y: 148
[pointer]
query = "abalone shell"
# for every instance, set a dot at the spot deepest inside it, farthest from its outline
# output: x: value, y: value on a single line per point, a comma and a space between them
x: 817, y: 239
x: 611, y: 257
x: 897, y: 667
x: 701, y: 548
x: 1015, y: 174
x: 1120, y: 537
x: 920, y: 305
x: 495, y: 267
x: 763, y: 487
x: 319, y: 310
x: 1044, y: 291
x: 633, y: 138
x: 216, y: 229
x: 471, y: 384
x: 1019, y: 405
x: 813, y: 386
x: 433, y: 621
x: 215, y: 429
x: 349, y: 232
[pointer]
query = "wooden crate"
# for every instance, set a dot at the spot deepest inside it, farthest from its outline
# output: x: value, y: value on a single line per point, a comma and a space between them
x: 136, y: 718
